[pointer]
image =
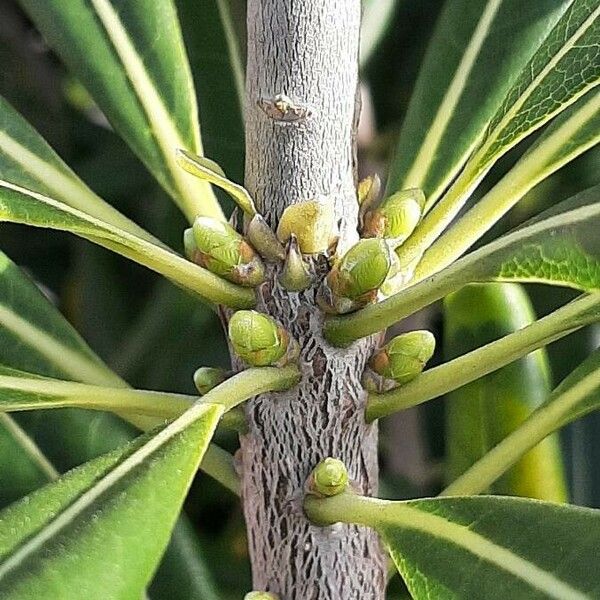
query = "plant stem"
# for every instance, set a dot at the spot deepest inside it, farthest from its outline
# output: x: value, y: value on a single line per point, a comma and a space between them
x: 217, y: 460
x: 541, y: 423
x: 308, y: 52
x: 464, y: 369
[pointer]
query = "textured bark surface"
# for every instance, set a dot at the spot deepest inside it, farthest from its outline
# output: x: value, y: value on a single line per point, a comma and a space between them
x: 307, y: 50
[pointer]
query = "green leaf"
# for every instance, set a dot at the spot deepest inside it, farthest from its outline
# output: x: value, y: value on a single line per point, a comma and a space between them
x: 377, y: 18
x: 23, y: 467
x: 35, y: 336
x: 572, y: 133
x: 466, y: 73
x: 575, y: 397
x: 481, y: 547
x: 28, y: 161
x: 482, y: 413
x: 216, y: 62
x: 88, y: 534
x: 564, y: 68
x: 130, y: 56
x: 20, y: 391
x: 19, y: 205
x: 560, y: 247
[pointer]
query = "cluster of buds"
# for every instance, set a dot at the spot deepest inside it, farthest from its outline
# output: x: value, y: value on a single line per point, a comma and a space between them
x: 260, y: 341
x: 207, y: 378
x: 401, y: 360
x: 364, y: 274
x: 218, y: 247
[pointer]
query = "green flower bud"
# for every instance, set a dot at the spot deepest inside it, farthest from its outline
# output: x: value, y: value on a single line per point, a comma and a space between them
x: 210, y: 171
x: 295, y: 276
x: 206, y: 378
x: 261, y: 596
x: 259, y: 340
x: 355, y: 280
x: 189, y: 245
x: 312, y: 224
x: 397, y: 216
x: 225, y: 252
x: 329, y: 478
x: 405, y: 356
x: 261, y: 236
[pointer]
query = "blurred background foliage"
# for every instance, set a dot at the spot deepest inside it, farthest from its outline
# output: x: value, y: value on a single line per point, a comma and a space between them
x: 154, y: 335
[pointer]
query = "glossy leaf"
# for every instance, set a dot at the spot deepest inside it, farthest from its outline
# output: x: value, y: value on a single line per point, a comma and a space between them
x: 481, y: 547
x: 130, y: 56
x: 82, y: 535
x: 467, y: 71
x: 563, y: 69
x: 28, y: 161
x: 482, y: 413
x: 571, y: 134
x: 576, y: 396
x: 19, y: 205
x: 560, y: 247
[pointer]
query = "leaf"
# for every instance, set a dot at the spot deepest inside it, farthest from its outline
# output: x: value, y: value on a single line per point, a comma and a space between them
x: 466, y: 73
x: 481, y: 547
x: 564, y: 68
x: 210, y: 171
x: 21, y: 391
x: 99, y: 531
x: 19, y: 205
x: 216, y: 62
x: 560, y: 247
x: 130, y: 56
x: 377, y: 16
x: 576, y: 396
x: 35, y: 336
x: 28, y: 161
x: 482, y: 413
x: 572, y: 133
x: 23, y: 467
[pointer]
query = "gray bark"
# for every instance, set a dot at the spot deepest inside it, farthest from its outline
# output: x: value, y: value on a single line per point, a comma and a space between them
x: 307, y: 50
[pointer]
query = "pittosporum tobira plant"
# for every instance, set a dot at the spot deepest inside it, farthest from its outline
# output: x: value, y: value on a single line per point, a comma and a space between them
x: 306, y: 274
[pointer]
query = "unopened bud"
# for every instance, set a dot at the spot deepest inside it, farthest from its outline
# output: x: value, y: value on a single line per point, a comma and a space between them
x: 368, y: 192
x: 206, y: 378
x: 259, y: 340
x: 261, y: 236
x: 225, y: 252
x: 312, y: 224
x: 354, y: 281
x: 404, y: 357
x: 189, y: 245
x: 397, y: 216
x: 329, y: 477
x: 295, y: 276
x: 261, y: 596
x: 210, y: 171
